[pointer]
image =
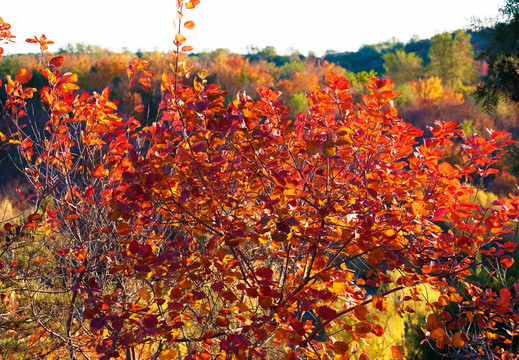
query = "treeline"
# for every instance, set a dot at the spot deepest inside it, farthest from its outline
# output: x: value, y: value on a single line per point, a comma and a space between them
x: 435, y: 77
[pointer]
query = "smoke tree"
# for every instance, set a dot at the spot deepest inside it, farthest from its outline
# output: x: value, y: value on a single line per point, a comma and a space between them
x: 221, y: 232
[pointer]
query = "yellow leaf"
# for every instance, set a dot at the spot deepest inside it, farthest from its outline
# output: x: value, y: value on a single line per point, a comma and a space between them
x: 168, y: 354
x: 2, y: 136
x: 339, y: 287
x: 329, y: 148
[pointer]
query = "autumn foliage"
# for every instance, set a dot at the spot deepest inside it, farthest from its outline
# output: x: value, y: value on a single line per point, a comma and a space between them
x: 220, y: 232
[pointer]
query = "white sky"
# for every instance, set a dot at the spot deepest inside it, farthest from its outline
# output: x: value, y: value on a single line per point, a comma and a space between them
x: 303, y: 25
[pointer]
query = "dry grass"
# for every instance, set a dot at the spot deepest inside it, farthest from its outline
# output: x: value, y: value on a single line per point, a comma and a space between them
x: 11, y: 204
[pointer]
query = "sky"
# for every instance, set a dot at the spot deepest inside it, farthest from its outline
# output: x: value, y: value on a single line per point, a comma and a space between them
x: 288, y: 25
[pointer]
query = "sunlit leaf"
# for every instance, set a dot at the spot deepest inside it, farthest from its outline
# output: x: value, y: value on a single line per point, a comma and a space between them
x: 56, y: 62
x: 189, y: 24
x: 396, y: 353
x: 180, y: 39
x: 23, y: 76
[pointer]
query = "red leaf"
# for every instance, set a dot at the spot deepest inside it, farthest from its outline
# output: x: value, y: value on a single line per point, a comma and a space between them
x: 89, y: 192
x: 438, y: 214
x: 222, y: 321
x: 265, y: 273
x: 134, y: 247
x: 505, y: 296
x: 56, y: 62
x: 327, y: 313
x: 364, y: 356
x: 150, y: 322
x: 96, y: 324
x: 117, y: 324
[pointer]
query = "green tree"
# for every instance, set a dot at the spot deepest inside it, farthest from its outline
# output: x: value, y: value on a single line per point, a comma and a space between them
x: 502, y: 56
x: 402, y: 67
x: 452, y: 59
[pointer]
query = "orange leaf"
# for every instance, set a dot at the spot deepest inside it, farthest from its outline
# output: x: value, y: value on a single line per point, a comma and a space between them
x: 360, y: 312
x: 23, y: 75
x: 446, y: 169
x: 375, y: 257
x: 340, y: 347
x: 169, y: 354
x: 433, y: 322
x: 187, y: 48
x: 180, y: 39
x: 265, y: 301
x: 506, y: 261
x: 363, y: 327
x: 144, y: 293
x: 122, y: 228
x: 189, y: 24
x: 222, y: 321
x: 191, y: 4
x: 396, y: 353
x: 99, y: 171
x: 457, y: 340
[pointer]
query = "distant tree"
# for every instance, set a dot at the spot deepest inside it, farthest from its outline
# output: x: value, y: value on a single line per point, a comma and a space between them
x: 402, y: 67
x: 365, y: 59
x: 452, y: 59
x: 502, y: 56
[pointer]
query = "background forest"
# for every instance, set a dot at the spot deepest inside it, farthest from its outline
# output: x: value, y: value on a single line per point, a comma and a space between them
x: 437, y: 79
